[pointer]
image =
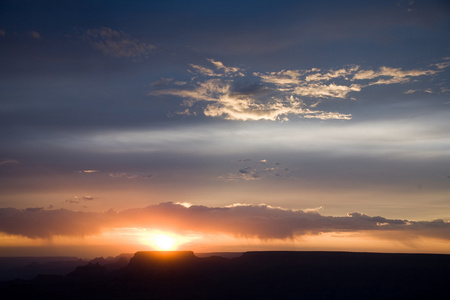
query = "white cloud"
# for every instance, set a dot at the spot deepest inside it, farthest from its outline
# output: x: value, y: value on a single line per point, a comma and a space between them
x: 276, y: 96
x: 326, y: 91
x: 222, y: 101
x: 227, y: 70
x: 220, y: 70
x: 409, y: 92
x: 118, y: 43
x: 332, y: 74
x: 203, y: 71
x: 391, y: 75
x: 282, y: 78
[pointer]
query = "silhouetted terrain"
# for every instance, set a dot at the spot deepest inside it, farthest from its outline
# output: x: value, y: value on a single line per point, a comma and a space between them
x: 254, y: 275
x: 30, y: 267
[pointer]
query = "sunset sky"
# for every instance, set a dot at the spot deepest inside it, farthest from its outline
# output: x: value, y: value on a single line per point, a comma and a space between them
x: 224, y: 126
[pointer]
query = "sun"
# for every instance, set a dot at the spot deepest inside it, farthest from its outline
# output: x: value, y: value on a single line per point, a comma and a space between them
x: 163, y: 242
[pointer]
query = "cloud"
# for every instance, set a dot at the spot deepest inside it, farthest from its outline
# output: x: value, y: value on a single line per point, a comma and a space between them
x: 282, y: 78
x: 331, y: 74
x: 444, y: 64
x: 232, y: 93
x: 118, y: 43
x: 79, y: 199
x: 162, y: 82
x: 227, y: 70
x: 35, y: 34
x: 326, y: 91
x: 9, y: 162
x: 218, y: 69
x: 42, y: 223
x: 203, y: 70
x: 89, y: 171
x: 259, y: 170
x: 409, y: 92
x: 2, y: 33
x: 123, y: 175
x: 244, y: 160
x: 222, y: 101
x: 243, y: 220
x: 127, y: 176
x: 391, y: 75
x: 73, y: 201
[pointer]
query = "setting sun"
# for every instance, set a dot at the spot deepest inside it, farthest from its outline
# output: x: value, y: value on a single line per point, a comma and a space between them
x: 163, y: 242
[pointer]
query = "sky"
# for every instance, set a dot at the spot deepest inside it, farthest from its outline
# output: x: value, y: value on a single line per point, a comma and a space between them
x: 224, y: 126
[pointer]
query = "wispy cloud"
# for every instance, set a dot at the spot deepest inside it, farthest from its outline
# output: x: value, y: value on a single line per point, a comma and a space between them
x: 408, y: 92
x: 388, y: 75
x: 89, y: 171
x: 247, y: 174
x: 9, y: 162
x: 162, y: 82
x: 244, y: 220
x: 79, y: 199
x: 35, y: 34
x: 128, y: 176
x: 118, y: 43
x: 234, y: 94
x: 444, y: 64
x: 256, y: 171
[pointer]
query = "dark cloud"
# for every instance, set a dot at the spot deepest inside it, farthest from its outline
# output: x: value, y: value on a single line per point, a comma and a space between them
x: 79, y: 199
x: 259, y: 221
x: 244, y: 88
x: 41, y: 223
x: 245, y: 170
x: 117, y: 43
x: 242, y: 174
x: 259, y: 169
x: 161, y: 82
x: 73, y: 201
x: 34, y: 209
x: 248, y: 159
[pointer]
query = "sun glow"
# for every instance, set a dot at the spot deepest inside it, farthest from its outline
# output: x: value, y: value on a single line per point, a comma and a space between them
x: 163, y: 242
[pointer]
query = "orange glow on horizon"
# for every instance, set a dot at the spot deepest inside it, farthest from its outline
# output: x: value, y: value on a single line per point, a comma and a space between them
x: 126, y: 240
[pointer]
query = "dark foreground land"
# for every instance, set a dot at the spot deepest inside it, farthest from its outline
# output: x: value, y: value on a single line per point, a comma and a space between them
x: 254, y: 275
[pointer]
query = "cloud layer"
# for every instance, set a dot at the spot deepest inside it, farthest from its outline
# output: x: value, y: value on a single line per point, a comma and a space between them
x: 233, y: 94
x: 242, y: 220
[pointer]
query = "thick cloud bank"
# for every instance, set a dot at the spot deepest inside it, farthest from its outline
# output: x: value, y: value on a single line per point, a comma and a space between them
x: 260, y: 221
